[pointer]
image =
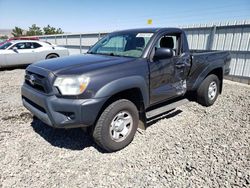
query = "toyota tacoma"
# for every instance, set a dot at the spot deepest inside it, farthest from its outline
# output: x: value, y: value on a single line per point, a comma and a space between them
x: 126, y: 78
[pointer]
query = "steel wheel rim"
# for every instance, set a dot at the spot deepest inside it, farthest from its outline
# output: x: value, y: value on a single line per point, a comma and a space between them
x: 121, y: 126
x: 212, y: 90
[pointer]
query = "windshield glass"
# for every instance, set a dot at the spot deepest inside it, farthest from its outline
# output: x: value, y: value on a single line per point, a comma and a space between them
x: 6, y: 45
x: 122, y: 44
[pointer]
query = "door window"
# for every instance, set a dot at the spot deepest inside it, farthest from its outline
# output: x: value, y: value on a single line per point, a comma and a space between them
x: 171, y: 41
x: 23, y: 45
x: 168, y: 42
x: 36, y: 45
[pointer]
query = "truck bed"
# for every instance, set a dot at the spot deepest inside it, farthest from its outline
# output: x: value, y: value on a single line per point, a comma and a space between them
x: 204, y: 60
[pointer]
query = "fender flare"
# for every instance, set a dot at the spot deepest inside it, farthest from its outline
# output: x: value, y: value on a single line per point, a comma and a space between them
x: 123, y: 84
x: 204, y: 74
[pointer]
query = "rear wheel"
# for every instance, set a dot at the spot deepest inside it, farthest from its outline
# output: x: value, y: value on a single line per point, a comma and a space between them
x: 51, y: 56
x: 208, y: 91
x: 117, y: 125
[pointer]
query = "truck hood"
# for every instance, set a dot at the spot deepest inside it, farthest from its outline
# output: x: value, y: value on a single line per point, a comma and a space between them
x: 79, y: 64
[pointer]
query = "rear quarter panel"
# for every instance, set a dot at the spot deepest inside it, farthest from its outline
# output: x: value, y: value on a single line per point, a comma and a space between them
x: 43, y: 52
x: 203, y: 64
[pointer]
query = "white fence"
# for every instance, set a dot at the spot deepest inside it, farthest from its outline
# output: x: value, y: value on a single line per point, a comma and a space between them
x: 233, y: 37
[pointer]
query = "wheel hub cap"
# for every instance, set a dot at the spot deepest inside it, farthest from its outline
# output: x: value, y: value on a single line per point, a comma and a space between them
x: 212, y: 90
x: 121, y: 126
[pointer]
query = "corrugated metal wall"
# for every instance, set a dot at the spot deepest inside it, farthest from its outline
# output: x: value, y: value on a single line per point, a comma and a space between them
x: 231, y: 36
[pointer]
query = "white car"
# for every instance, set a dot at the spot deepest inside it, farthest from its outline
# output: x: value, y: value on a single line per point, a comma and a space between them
x: 23, y: 52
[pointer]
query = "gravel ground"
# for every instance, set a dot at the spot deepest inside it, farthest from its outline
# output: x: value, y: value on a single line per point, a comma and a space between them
x: 193, y: 146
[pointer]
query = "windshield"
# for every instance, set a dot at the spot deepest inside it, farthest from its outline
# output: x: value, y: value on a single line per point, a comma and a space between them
x: 6, y: 45
x: 122, y: 44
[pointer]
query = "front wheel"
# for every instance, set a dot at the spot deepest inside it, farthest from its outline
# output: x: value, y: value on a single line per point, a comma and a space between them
x: 208, y: 91
x: 117, y: 125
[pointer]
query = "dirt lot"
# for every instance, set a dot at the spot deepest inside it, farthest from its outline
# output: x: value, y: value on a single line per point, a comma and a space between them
x: 191, y: 147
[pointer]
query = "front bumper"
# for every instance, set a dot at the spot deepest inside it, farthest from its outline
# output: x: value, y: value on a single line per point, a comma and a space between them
x: 61, y: 112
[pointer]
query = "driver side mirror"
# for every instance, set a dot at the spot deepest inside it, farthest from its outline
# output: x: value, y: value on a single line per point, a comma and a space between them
x: 14, y: 49
x: 163, y: 53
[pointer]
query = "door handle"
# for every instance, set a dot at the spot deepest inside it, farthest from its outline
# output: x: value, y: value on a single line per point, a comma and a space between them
x: 179, y: 66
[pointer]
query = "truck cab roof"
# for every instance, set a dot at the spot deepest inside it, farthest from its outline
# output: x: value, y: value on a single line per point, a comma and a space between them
x: 151, y: 30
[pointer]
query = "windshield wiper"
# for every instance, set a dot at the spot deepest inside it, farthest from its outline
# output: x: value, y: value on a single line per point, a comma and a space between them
x: 91, y: 53
x: 109, y: 54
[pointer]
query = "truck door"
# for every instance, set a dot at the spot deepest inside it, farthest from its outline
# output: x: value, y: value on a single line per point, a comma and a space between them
x: 168, y: 75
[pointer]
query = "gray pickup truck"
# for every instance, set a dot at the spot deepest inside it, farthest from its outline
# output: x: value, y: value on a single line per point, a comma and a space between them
x: 125, y: 77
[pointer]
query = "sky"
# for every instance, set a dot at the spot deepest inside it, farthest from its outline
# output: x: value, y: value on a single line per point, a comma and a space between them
x: 107, y: 15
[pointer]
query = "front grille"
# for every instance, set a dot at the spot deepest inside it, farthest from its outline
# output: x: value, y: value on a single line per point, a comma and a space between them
x: 37, y: 81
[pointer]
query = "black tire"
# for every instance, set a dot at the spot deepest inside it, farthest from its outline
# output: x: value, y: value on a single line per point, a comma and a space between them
x: 102, y: 132
x: 51, y: 56
x: 204, y: 97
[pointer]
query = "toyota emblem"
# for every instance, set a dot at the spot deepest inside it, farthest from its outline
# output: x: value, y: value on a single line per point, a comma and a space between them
x: 32, y: 79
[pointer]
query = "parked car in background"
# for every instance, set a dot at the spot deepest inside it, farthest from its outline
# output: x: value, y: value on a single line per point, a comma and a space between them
x: 18, y: 38
x: 28, y: 51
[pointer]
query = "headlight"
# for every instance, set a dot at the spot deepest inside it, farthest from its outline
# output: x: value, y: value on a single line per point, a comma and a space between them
x: 74, y: 85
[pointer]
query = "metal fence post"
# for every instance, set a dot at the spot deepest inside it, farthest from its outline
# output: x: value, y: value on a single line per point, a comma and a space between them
x: 80, y: 43
x: 99, y: 36
x: 210, y: 41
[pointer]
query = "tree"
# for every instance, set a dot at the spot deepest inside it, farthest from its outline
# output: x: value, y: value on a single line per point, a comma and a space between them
x: 4, y: 37
x: 34, y: 30
x: 17, y: 32
x: 59, y: 31
x: 48, y: 30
